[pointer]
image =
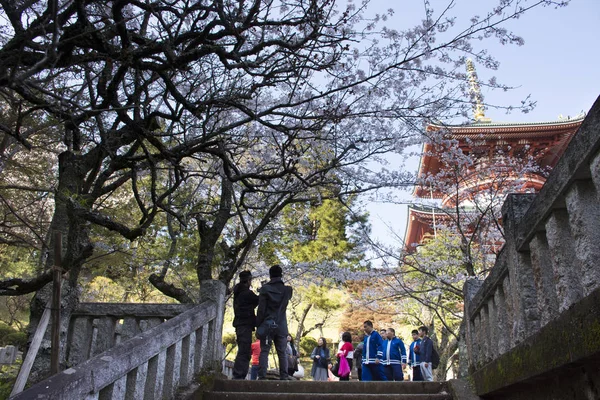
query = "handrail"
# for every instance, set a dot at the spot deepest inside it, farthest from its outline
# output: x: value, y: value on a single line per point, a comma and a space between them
x: 180, y: 338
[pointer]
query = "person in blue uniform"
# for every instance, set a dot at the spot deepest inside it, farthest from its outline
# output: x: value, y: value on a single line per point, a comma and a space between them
x: 394, y: 356
x: 372, y: 354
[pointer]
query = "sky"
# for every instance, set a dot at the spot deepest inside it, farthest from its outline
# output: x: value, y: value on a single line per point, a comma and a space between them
x: 558, y: 66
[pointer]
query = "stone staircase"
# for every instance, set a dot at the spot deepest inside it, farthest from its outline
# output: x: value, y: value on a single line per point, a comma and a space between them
x: 311, y: 390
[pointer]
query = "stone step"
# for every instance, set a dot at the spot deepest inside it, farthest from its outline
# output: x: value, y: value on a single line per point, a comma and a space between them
x: 319, y: 396
x: 352, y: 387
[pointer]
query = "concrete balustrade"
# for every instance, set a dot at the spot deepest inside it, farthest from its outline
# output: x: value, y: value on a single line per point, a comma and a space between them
x: 134, y: 353
x: 97, y: 327
x: 501, y: 321
x: 583, y: 208
x: 546, y: 277
x: 565, y: 265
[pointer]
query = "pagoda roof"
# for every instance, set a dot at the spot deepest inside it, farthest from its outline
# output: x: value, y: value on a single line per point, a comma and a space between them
x: 419, y: 224
x: 561, y: 130
x: 510, y: 129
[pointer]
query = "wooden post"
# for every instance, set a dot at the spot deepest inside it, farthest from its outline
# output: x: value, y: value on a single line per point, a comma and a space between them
x: 56, y: 283
x: 32, y: 352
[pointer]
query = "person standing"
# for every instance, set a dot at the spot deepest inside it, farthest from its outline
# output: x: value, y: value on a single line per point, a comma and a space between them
x: 426, y: 351
x: 321, y: 360
x: 372, y: 354
x: 346, y: 351
x: 292, y: 356
x: 244, y: 321
x: 358, y: 358
x: 255, y: 358
x: 414, y: 358
x: 273, y: 299
x: 394, y: 356
x: 383, y: 334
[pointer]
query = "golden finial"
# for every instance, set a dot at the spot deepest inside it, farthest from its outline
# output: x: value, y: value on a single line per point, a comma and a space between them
x: 475, y: 92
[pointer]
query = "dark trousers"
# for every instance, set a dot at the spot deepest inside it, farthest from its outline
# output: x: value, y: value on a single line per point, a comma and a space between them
x: 254, y: 372
x: 416, y: 375
x: 263, y: 361
x: 373, y: 372
x: 347, y: 378
x: 393, y: 372
x: 242, y: 359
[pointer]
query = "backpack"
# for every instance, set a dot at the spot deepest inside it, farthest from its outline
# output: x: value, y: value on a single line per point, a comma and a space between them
x: 435, y: 359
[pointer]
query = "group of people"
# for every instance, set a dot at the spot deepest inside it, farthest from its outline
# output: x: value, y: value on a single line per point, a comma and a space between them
x: 290, y: 352
x: 272, y: 301
x: 322, y: 368
x: 384, y: 355
x: 380, y: 357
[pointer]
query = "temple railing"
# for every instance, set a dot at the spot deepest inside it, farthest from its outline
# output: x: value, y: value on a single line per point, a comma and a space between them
x: 547, y: 277
x: 128, y: 351
x: 97, y: 327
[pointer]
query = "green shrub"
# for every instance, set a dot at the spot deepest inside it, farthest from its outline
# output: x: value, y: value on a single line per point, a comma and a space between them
x: 5, y: 331
x: 307, y: 344
x: 8, y: 376
x: 229, y: 340
x: 17, y: 339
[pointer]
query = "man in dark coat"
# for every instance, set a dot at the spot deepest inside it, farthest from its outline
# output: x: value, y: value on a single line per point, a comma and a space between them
x: 426, y: 352
x: 273, y: 300
x: 244, y: 321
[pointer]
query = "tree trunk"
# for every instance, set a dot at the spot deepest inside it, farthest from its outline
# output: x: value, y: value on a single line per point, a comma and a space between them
x: 446, y: 349
x: 209, y: 235
x: 206, y: 255
x: 76, y: 249
x: 301, y: 324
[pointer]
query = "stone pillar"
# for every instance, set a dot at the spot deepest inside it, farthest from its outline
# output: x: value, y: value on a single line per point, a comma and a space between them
x: 484, y: 333
x: 502, y: 325
x: 523, y: 293
x: 492, y: 327
x: 477, y: 341
x: 564, y: 263
x: 584, y: 217
x: 510, y: 311
x: 463, y: 351
x: 543, y: 275
x: 469, y: 360
x: 214, y: 291
x: 595, y: 171
x: 8, y: 354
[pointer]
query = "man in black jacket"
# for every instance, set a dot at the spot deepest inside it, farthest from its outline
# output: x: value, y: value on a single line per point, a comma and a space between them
x: 273, y: 299
x: 426, y: 353
x: 244, y: 321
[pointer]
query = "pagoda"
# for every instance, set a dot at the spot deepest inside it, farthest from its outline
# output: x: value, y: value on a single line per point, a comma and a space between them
x: 542, y: 142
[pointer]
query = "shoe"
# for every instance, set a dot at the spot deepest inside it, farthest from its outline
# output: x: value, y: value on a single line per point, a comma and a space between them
x: 262, y: 378
x: 287, y: 378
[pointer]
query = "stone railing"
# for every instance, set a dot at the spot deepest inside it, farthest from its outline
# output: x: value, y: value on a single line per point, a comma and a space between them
x: 524, y: 320
x: 138, y: 356
x: 97, y: 327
